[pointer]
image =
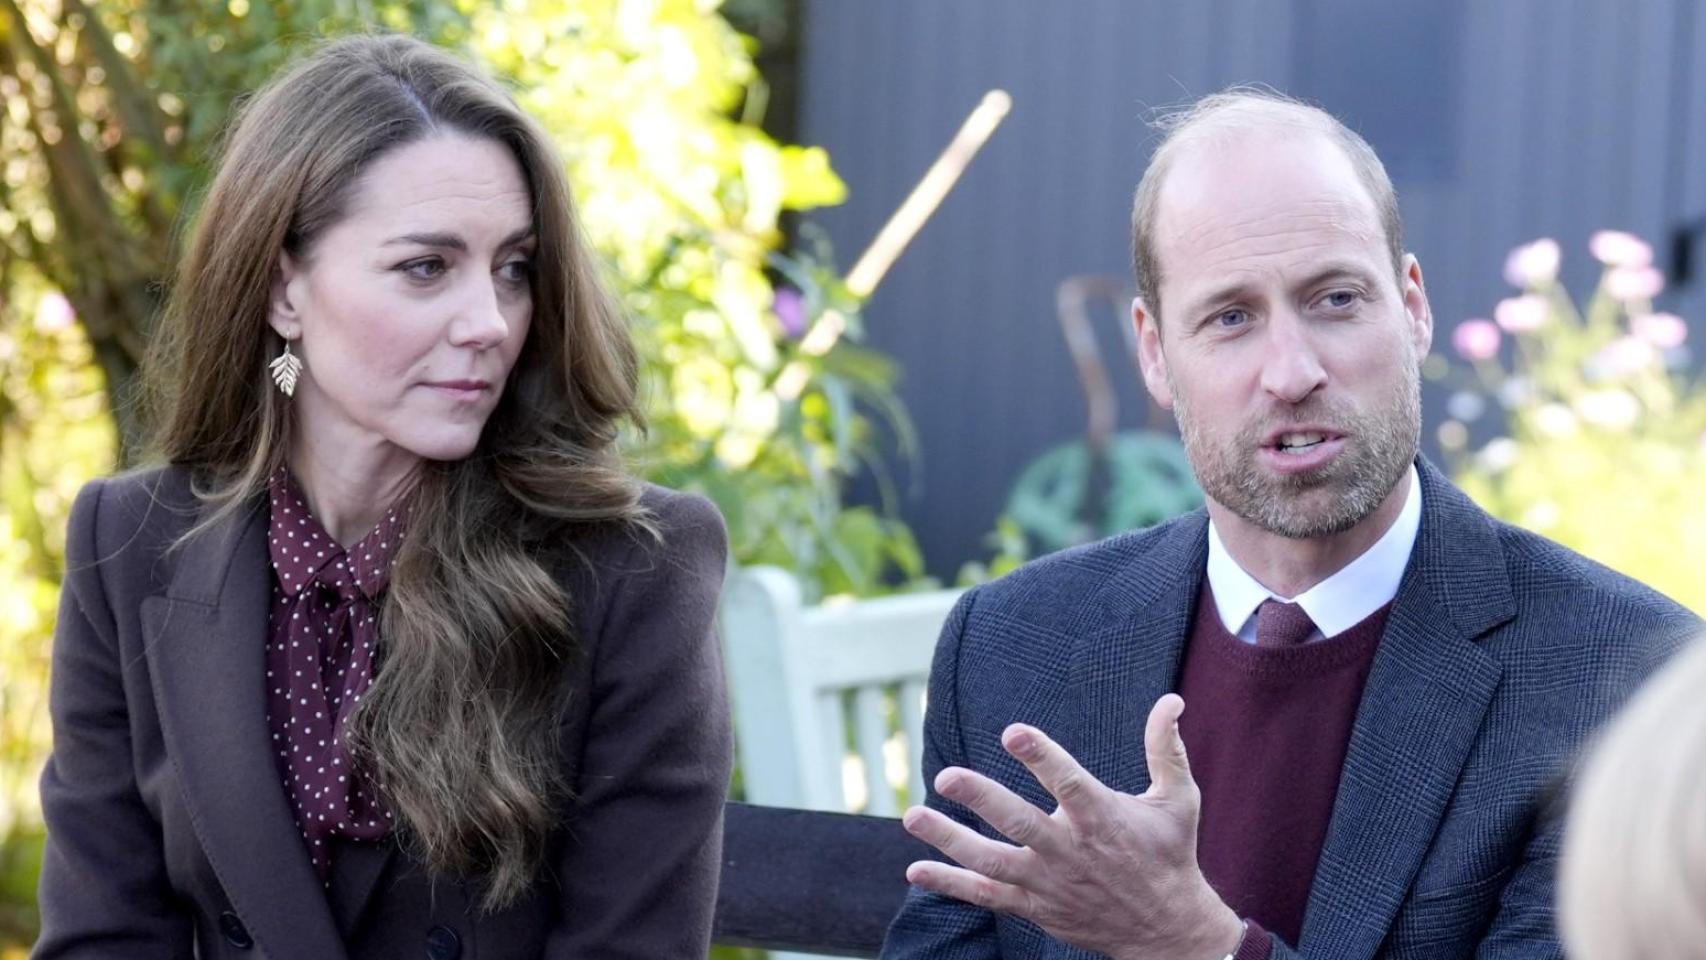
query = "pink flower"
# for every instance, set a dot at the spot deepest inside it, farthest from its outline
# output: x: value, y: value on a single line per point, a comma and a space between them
x: 1662, y: 330
x: 1634, y: 283
x: 54, y: 312
x: 790, y: 310
x: 1533, y: 265
x: 1476, y: 340
x: 1523, y: 314
x: 1614, y: 248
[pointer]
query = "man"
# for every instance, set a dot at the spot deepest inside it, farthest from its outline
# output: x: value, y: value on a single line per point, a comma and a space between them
x: 1383, y: 681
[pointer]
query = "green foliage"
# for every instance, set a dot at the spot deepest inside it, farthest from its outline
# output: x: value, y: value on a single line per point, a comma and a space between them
x: 55, y: 432
x: 111, y: 111
x: 684, y: 200
x: 1011, y: 550
x: 1072, y: 495
x: 1605, y: 449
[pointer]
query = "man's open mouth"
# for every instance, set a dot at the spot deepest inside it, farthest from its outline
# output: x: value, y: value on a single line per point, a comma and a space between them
x: 1299, y: 442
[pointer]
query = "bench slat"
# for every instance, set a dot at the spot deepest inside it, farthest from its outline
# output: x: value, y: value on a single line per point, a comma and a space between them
x: 871, y: 731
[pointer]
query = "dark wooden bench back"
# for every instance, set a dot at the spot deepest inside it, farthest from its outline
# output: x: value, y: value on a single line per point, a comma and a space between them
x: 826, y: 883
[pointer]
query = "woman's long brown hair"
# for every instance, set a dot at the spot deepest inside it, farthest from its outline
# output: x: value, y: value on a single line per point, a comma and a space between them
x: 460, y: 725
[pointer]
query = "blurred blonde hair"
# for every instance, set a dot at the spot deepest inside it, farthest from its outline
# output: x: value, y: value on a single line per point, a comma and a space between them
x: 1632, y: 885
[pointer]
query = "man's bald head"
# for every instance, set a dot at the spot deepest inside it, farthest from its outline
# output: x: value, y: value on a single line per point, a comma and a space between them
x: 1229, y: 115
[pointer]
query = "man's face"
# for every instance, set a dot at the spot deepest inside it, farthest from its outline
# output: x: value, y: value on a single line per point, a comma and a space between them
x: 1288, y: 350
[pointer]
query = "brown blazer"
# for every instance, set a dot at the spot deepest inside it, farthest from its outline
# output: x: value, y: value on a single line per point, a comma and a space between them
x: 169, y: 835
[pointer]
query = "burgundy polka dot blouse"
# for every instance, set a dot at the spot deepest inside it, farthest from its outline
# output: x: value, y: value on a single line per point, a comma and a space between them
x: 321, y: 645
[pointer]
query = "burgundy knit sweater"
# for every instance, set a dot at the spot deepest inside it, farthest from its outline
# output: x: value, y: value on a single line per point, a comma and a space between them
x: 1266, y: 730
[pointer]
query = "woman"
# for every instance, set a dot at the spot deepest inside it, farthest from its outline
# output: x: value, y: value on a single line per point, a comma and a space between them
x: 393, y: 656
x: 1632, y: 884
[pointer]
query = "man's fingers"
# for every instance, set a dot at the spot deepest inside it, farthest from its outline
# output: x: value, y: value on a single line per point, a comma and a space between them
x: 1010, y: 814
x: 1169, y: 768
x: 1054, y: 768
x: 962, y: 884
x: 967, y: 847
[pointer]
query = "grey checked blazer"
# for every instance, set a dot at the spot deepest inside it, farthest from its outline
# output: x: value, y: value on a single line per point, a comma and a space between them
x: 1502, y: 651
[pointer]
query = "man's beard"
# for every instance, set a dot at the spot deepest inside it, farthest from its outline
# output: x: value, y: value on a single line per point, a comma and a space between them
x: 1379, y: 447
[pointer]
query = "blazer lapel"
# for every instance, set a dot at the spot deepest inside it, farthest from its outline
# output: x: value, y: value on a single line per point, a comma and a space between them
x: 357, y: 866
x: 206, y: 642
x: 1120, y: 672
x: 1421, y: 710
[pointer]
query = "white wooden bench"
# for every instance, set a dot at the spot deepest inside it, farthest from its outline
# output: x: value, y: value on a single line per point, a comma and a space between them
x: 795, y: 672
x: 800, y: 676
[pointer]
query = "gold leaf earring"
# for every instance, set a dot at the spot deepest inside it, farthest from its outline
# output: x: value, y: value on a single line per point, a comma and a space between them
x: 285, y: 370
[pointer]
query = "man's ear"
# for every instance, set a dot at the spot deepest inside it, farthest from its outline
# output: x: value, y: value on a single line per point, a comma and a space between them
x: 1416, y: 308
x: 1150, y: 356
x: 283, y: 301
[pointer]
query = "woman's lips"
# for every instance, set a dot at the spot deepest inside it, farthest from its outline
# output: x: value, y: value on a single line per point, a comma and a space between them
x: 461, y: 389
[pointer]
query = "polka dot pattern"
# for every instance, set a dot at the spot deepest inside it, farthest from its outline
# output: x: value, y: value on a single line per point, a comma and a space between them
x: 321, y: 658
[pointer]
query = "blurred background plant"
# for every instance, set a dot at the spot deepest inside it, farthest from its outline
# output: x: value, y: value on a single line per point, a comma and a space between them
x: 1602, y: 445
x: 110, y: 110
x: 1108, y: 480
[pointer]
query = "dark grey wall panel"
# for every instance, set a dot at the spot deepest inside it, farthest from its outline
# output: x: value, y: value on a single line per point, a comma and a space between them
x: 1501, y: 121
x: 1688, y: 166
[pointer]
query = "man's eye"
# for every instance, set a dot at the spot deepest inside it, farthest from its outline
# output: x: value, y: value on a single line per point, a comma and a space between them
x: 1231, y: 318
x: 1340, y: 299
x: 426, y: 268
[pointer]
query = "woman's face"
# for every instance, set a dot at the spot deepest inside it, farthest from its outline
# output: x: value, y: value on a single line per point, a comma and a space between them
x: 409, y: 312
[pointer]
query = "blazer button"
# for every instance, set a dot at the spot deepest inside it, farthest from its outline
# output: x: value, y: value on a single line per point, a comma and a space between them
x: 443, y: 944
x: 235, y: 933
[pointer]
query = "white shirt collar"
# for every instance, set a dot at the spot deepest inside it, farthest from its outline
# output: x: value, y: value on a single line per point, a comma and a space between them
x: 1337, y: 603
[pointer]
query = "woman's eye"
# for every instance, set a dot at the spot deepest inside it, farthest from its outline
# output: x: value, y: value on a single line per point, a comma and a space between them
x: 426, y: 268
x: 516, y: 271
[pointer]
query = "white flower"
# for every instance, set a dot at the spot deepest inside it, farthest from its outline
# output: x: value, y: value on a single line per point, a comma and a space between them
x: 1555, y: 420
x: 1499, y: 455
x: 1541, y: 516
x: 1615, y: 248
x: 1662, y: 330
x: 1523, y: 314
x: 1627, y: 355
x: 1634, y: 283
x: 1533, y: 265
x: 1610, y: 409
x: 54, y: 312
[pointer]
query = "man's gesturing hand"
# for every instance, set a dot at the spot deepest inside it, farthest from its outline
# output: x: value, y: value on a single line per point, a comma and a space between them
x: 1107, y: 871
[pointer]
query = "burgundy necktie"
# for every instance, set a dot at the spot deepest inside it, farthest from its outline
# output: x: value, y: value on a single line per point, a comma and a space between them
x: 1280, y: 624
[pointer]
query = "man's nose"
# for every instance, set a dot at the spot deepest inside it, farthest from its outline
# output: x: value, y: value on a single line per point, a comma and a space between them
x: 1291, y: 367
